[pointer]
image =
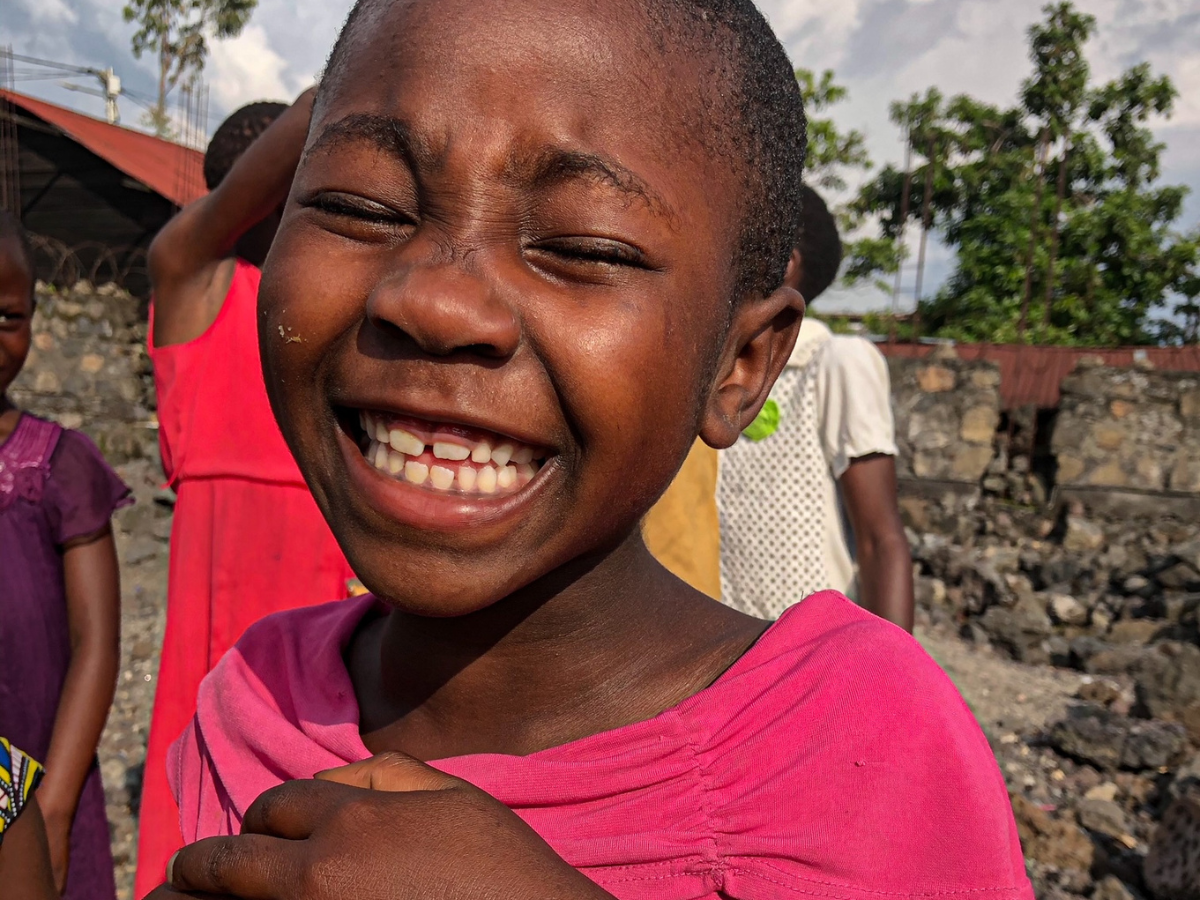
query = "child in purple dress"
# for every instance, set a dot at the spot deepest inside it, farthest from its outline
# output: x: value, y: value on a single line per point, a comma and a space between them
x: 59, y: 599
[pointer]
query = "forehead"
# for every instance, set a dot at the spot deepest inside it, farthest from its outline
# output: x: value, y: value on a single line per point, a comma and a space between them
x: 528, y: 74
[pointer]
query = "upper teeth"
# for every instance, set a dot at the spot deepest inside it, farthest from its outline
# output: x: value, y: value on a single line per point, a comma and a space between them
x: 402, y: 454
x: 406, y: 443
x: 456, y: 452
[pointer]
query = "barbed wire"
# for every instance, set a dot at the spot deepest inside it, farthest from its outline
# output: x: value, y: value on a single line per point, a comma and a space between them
x: 63, y: 266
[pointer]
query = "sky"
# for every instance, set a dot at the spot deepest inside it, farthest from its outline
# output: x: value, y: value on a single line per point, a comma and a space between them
x: 881, y: 50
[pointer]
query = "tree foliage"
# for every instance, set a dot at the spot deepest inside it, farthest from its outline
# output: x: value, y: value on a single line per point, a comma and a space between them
x: 1062, y: 231
x: 834, y: 156
x: 177, y: 33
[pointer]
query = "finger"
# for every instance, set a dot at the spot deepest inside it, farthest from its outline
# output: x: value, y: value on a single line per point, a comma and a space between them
x: 167, y: 892
x: 391, y: 771
x: 250, y: 867
x: 295, y: 809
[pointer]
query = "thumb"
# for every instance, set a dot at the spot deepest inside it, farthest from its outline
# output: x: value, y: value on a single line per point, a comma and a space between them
x: 391, y: 771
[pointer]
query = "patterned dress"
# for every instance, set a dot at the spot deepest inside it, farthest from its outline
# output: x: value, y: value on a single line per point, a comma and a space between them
x: 783, y: 532
x: 19, y: 778
x: 55, y: 487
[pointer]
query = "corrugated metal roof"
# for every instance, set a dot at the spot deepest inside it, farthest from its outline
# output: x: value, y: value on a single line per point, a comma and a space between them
x: 169, y: 169
x: 1034, y: 375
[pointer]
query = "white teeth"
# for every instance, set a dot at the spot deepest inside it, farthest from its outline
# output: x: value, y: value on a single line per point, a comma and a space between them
x: 523, y: 457
x: 395, y: 462
x: 525, y: 473
x: 487, y: 480
x: 381, y: 432
x: 506, y: 477
x: 441, y: 478
x: 467, y: 478
x: 367, y: 423
x: 502, y: 454
x: 416, y: 473
x: 405, y: 442
x: 453, y: 452
x: 482, y: 453
x: 381, y: 456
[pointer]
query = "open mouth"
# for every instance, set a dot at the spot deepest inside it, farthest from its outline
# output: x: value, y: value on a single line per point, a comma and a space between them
x: 444, y: 458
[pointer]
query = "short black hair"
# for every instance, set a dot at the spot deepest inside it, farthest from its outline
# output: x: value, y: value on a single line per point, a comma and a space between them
x: 235, y: 135
x: 819, y: 245
x: 760, y: 122
x: 10, y: 229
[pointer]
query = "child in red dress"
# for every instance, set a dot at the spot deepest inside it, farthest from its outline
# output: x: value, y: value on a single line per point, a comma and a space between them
x: 247, y: 540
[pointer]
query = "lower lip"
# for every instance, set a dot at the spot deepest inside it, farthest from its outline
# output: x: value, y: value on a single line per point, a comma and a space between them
x: 421, y: 508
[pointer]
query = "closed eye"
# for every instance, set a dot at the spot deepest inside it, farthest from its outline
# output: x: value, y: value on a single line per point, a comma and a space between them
x: 592, y: 251
x: 350, y: 211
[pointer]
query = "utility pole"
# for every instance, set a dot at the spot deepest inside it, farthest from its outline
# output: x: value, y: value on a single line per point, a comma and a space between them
x: 111, y: 83
x: 926, y: 224
x: 905, y: 200
x: 1034, y: 218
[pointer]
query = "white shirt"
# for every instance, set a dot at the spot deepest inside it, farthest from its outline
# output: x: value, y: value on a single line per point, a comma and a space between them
x: 783, y: 534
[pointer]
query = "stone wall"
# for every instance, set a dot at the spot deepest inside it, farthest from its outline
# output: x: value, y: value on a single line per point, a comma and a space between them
x: 89, y: 369
x: 1129, y: 429
x: 947, y: 412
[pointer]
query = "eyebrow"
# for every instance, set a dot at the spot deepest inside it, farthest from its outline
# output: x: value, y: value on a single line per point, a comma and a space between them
x: 385, y: 133
x: 555, y: 165
x: 546, y: 168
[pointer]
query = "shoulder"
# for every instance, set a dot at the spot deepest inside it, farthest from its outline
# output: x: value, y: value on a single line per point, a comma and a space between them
x: 283, y: 663
x: 855, y: 359
x: 842, y: 738
x: 310, y: 632
x: 76, y: 448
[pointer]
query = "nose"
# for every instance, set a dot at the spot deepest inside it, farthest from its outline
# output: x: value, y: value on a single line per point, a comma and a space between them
x: 445, y: 307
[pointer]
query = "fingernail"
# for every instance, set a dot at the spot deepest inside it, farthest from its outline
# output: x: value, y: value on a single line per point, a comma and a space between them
x: 171, y: 868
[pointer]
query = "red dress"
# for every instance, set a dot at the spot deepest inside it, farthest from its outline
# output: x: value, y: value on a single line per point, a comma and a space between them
x: 248, y: 539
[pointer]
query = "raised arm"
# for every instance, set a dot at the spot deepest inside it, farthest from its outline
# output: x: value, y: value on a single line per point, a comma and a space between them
x: 884, y: 560
x: 94, y: 619
x: 190, y: 260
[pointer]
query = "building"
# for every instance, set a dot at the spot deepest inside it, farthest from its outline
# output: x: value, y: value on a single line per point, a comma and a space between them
x: 93, y: 194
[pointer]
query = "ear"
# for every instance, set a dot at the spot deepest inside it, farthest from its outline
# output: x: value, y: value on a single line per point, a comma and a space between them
x: 795, y: 271
x: 761, y: 338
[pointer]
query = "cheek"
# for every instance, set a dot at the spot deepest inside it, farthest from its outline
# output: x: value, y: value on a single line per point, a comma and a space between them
x: 629, y: 382
x: 14, y: 347
x: 304, y: 309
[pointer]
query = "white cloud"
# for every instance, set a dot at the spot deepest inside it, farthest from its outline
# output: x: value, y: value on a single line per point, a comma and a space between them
x: 49, y: 12
x: 245, y: 69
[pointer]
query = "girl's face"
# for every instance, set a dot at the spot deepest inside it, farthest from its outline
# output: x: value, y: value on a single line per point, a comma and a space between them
x: 489, y: 315
x: 16, y: 310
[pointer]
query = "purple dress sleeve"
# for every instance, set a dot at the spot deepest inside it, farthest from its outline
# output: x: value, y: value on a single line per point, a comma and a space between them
x: 82, y: 492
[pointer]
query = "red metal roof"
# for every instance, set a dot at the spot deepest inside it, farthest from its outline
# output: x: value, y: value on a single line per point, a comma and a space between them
x: 169, y: 169
x: 1034, y: 375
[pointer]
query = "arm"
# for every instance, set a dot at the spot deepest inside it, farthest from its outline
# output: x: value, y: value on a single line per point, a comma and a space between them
x: 25, y: 858
x: 94, y: 619
x: 884, y: 558
x: 189, y: 265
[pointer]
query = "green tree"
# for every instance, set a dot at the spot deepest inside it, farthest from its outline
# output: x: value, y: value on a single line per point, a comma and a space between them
x: 830, y: 150
x: 1087, y: 262
x: 177, y: 33
x: 834, y: 156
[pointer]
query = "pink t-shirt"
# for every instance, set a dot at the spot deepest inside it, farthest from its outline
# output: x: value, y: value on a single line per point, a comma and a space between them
x: 834, y: 760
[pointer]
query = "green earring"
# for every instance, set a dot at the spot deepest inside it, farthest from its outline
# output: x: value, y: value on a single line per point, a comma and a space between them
x: 766, y: 424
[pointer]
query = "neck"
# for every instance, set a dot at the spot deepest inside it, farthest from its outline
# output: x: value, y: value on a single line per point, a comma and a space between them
x: 601, y: 643
x: 9, y: 414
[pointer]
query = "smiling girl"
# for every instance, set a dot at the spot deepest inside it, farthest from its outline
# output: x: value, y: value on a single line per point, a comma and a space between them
x: 532, y: 251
